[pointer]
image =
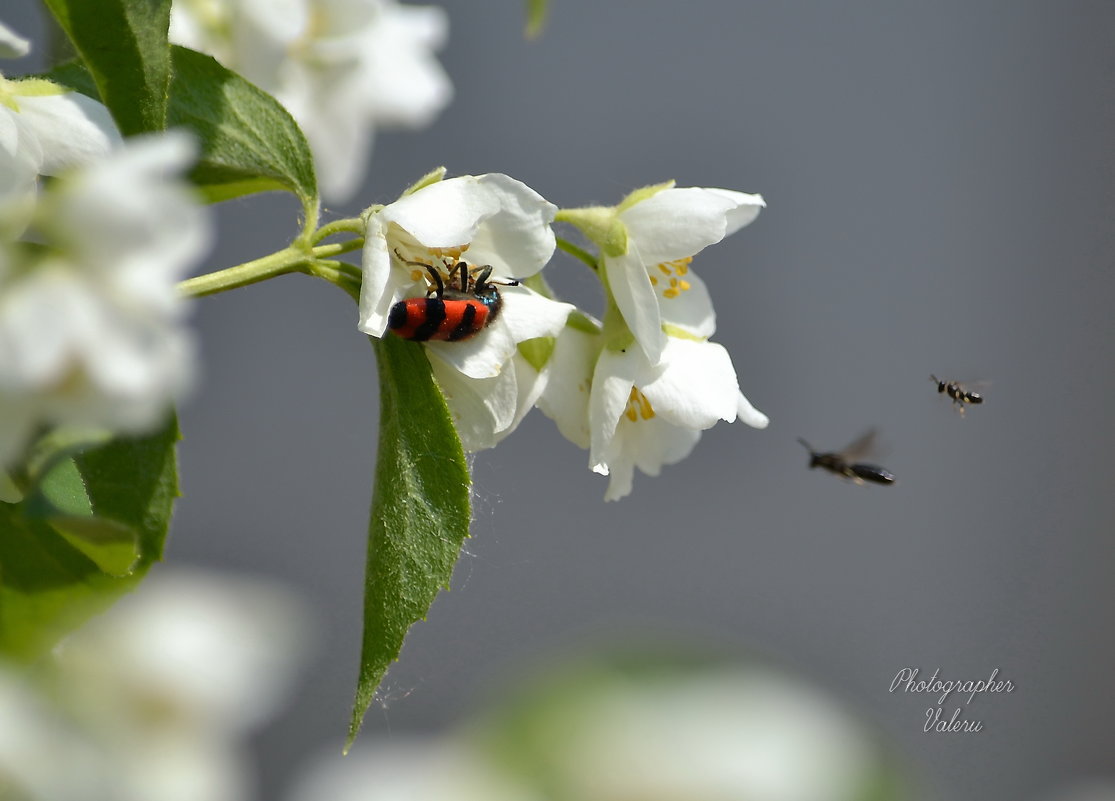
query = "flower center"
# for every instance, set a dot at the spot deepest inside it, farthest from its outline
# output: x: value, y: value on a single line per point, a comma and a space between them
x: 638, y: 406
x: 671, y: 281
x: 441, y: 259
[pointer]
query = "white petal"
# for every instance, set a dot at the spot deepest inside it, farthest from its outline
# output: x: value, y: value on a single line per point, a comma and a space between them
x: 485, y: 411
x: 517, y: 241
x: 42, y: 318
x: 274, y: 23
x: 749, y: 414
x: 132, y: 219
x: 637, y: 301
x: 612, y: 381
x: 12, y: 45
x: 340, y: 137
x: 566, y: 399
x: 745, y: 210
x: 71, y: 128
x: 221, y: 652
x: 621, y: 478
x: 404, y: 82
x: 676, y: 223
x: 481, y: 408
x: 698, y: 386
x: 662, y: 444
x: 648, y: 445
x: 19, y: 170
x: 530, y: 315
x: 483, y: 356
x: 376, y: 299
x: 446, y: 214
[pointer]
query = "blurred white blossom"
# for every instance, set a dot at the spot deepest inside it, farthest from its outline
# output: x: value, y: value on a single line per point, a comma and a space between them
x: 45, y: 129
x: 602, y: 732
x: 153, y: 699
x: 92, y: 328
x: 403, y: 769
x: 341, y: 67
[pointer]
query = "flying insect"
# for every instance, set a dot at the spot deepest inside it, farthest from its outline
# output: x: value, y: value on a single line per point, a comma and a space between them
x: 961, y: 396
x: 846, y: 462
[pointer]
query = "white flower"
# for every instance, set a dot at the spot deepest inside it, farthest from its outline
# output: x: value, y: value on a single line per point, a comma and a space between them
x: 341, y: 67
x: 409, y: 769
x: 45, y: 129
x: 632, y: 413
x: 92, y: 332
x: 492, y: 221
x: 651, y: 282
x: 703, y: 735
x: 152, y: 699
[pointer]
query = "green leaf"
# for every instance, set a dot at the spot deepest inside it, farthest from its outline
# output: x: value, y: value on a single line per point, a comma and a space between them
x: 536, y: 17
x: 420, y: 511
x: 124, y: 45
x: 249, y: 143
x: 88, y: 533
x: 63, y: 501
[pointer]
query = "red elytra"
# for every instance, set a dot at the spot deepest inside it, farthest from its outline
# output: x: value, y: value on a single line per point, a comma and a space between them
x: 447, y: 319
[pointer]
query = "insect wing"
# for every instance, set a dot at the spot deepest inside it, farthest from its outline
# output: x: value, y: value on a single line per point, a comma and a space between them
x: 860, y: 448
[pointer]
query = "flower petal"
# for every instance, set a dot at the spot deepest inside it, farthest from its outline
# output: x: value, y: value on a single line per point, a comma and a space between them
x: 635, y: 296
x: 615, y: 375
x: 444, y: 214
x: 676, y: 223
x: 481, y: 408
x: 749, y: 414
x: 566, y: 399
x: 375, y: 263
x: 72, y: 129
x: 517, y: 241
x: 698, y: 386
x: 746, y: 209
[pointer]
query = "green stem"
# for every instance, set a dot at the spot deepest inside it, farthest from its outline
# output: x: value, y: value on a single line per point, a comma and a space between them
x: 336, y: 249
x: 306, y: 238
x: 352, y: 225
x: 579, y: 253
x: 287, y: 260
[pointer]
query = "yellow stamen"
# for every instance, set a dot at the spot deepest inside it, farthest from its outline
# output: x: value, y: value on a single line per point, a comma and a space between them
x: 638, y: 406
x: 671, y: 269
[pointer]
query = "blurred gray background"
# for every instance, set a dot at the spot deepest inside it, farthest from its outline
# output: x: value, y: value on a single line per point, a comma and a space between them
x: 941, y: 188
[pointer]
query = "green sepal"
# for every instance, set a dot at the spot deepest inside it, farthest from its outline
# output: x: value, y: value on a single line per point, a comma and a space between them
x: 537, y: 351
x: 420, y: 511
x: 432, y: 177
x: 643, y: 193
x: 601, y: 225
x: 536, y: 17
